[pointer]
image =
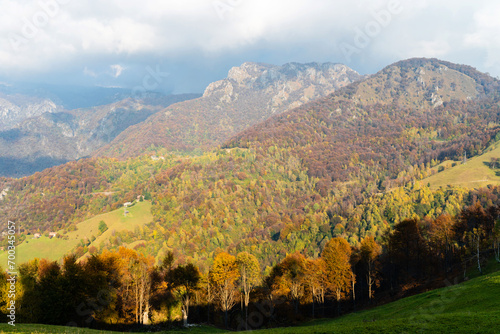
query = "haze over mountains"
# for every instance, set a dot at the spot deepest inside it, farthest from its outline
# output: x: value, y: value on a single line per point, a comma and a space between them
x: 38, y: 134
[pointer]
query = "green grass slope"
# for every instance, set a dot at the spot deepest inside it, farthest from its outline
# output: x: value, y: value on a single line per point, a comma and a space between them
x: 470, y: 307
x: 475, y: 173
x: 55, y: 248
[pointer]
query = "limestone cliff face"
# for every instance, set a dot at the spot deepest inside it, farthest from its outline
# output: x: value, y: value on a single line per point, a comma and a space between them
x: 249, y: 94
x: 284, y: 87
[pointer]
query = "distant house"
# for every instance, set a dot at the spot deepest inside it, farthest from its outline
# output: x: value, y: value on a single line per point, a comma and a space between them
x: 52, y: 234
x: 127, y: 204
x: 36, y: 235
x: 155, y: 158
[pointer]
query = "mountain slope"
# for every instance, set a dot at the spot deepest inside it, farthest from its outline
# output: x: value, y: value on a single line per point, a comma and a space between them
x: 251, y: 93
x: 476, y: 172
x: 86, y: 234
x: 422, y: 83
x: 357, y: 132
x: 332, y: 167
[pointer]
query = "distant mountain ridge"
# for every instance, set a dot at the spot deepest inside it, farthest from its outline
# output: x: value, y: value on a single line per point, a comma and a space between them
x: 44, y: 137
x: 251, y: 93
x: 17, y: 108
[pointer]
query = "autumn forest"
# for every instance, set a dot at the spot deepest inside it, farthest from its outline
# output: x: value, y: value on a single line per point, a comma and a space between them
x: 314, y: 212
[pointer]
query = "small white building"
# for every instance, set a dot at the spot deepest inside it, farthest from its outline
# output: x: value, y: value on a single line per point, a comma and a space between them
x: 52, y: 234
x: 36, y: 235
x: 127, y: 204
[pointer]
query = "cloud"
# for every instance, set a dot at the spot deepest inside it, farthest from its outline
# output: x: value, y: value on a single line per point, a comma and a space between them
x: 117, y: 70
x: 89, y: 73
x: 68, y: 35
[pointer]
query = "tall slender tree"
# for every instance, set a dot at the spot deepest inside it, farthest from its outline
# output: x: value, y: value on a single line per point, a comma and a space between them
x: 316, y: 281
x: 185, y: 280
x: 223, y: 276
x: 370, y: 251
x: 336, y: 254
x: 249, y: 268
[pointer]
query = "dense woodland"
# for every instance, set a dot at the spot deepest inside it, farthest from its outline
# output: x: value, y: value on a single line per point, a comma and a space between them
x: 313, y: 213
x: 124, y: 287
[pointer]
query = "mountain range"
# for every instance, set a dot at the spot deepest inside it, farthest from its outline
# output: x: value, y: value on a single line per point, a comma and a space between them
x: 272, y: 177
x: 251, y: 93
x: 43, y: 134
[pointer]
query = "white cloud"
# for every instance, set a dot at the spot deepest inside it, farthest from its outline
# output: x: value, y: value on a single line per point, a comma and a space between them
x: 117, y: 70
x: 89, y: 73
x: 132, y: 33
x: 486, y: 35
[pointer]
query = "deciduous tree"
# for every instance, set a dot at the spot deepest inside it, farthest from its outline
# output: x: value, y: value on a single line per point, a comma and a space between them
x: 336, y: 254
x: 249, y: 268
x: 223, y: 276
x: 185, y: 280
x: 370, y: 251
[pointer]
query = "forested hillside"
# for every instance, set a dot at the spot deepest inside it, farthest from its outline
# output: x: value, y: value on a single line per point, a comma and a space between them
x: 341, y: 175
x: 338, y: 166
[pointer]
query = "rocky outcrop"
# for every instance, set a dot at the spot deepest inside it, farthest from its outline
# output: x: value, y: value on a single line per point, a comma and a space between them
x: 285, y: 87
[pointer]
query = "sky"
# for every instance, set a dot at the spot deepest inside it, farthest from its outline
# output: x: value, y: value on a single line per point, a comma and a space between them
x: 180, y: 46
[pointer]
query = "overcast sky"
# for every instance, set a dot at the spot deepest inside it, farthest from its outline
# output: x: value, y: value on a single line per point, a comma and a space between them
x: 119, y: 43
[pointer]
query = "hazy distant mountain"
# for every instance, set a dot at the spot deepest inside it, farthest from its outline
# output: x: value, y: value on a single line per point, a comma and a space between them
x: 71, y: 97
x: 251, y: 93
x: 39, y: 134
x: 16, y: 108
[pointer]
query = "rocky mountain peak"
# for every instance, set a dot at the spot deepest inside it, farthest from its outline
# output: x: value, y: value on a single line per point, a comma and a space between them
x: 275, y: 79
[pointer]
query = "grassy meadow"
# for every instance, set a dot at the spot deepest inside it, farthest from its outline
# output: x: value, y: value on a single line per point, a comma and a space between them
x: 475, y: 173
x: 55, y: 248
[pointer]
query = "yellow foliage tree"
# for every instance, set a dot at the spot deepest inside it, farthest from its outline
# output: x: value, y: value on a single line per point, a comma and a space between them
x: 223, y: 276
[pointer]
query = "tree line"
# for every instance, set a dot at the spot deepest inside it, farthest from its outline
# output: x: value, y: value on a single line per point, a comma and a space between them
x: 124, y: 287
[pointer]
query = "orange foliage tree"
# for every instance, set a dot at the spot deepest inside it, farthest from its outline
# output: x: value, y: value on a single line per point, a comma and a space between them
x: 336, y: 254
